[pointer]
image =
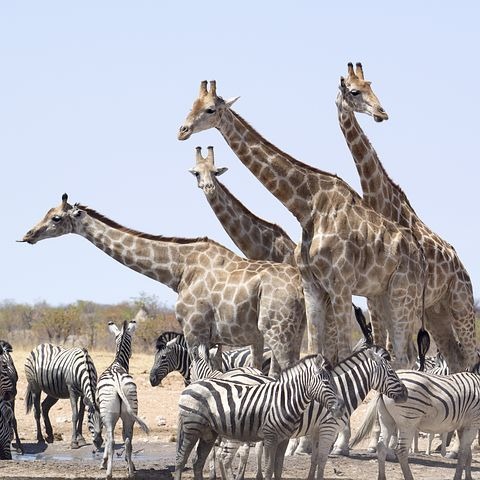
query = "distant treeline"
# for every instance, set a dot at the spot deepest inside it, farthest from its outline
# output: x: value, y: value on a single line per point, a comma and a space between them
x: 83, y: 323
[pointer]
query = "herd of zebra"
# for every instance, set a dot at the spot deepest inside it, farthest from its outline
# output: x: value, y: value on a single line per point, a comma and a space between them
x: 242, y: 404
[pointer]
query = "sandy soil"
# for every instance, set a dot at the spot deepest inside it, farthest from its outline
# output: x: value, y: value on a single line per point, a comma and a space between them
x: 154, y: 454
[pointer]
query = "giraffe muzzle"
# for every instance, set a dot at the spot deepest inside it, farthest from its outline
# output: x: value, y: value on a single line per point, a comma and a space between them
x: 184, y: 132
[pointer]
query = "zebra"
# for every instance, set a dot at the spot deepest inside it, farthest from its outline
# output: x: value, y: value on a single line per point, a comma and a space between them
x: 9, y: 375
x: 268, y: 412
x: 435, y: 404
x: 6, y: 433
x: 117, y: 397
x: 173, y: 356
x: 63, y: 373
x: 354, y: 377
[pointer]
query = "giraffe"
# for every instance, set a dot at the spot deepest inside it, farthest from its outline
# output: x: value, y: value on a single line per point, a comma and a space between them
x: 346, y: 248
x: 258, y: 239
x: 449, y: 303
x: 255, y: 237
x: 222, y: 298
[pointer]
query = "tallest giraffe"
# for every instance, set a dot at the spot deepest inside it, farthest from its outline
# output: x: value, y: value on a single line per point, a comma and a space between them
x: 346, y: 247
x: 450, y: 313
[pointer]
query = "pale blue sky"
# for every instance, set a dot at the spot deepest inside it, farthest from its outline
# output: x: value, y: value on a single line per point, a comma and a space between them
x: 93, y: 93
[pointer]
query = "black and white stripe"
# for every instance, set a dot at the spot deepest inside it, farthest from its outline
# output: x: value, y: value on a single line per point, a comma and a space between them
x: 367, y: 369
x: 8, y: 384
x: 435, y: 404
x: 268, y: 412
x: 173, y: 355
x: 6, y: 430
x: 117, y: 397
x: 62, y: 373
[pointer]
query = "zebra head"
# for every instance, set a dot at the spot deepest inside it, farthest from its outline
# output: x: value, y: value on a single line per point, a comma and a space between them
x: 323, y: 389
x: 168, y: 359
x: 94, y: 423
x: 384, y: 379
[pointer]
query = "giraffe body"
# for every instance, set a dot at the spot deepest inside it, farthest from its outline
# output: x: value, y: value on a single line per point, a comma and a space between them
x: 346, y: 247
x: 257, y: 238
x: 222, y: 298
x: 449, y: 303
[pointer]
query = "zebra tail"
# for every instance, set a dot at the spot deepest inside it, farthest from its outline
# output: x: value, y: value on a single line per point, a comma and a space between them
x: 29, y: 399
x: 368, y: 423
x: 124, y: 398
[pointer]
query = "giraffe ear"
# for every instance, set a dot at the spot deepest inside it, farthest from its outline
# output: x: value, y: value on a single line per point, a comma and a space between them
x: 231, y: 101
x: 193, y: 172
x: 220, y: 171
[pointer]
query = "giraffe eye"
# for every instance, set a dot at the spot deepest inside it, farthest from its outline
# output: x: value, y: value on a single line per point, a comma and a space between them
x: 56, y: 218
x: 210, y: 110
x: 355, y: 92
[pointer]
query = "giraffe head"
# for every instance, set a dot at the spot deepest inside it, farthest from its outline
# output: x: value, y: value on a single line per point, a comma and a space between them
x: 356, y: 95
x: 58, y: 221
x: 205, y: 171
x: 206, y: 111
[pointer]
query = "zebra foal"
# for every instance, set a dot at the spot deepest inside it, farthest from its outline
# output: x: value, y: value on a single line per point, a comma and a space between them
x: 63, y: 373
x: 251, y: 413
x: 117, y: 398
x: 435, y: 404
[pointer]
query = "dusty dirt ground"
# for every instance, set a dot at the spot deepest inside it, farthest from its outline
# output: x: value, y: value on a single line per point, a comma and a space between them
x: 154, y: 455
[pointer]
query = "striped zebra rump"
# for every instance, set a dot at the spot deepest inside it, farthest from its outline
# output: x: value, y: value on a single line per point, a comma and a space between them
x: 6, y: 429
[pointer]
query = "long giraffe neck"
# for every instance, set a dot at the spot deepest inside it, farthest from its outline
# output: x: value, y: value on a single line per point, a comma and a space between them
x: 255, y: 237
x: 160, y: 258
x: 379, y: 190
x: 295, y: 184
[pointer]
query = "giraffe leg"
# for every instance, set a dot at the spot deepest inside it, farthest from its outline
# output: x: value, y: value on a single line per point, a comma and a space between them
x: 440, y: 325
x: 315, y: 308
x: 463, y: 315
x: 342, y: 310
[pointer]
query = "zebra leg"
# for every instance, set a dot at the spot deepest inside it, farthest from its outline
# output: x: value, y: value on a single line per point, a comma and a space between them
x: 381, y: 458
x: 259, y: 455
x: 81, y: 412
x: 279, y: 458
x: 243, y: 452
x: 404, y: 442
x: 107, y: 461
x: 47, y: 404
x: 204, y: 447
x: 127, y: 433
x: 73, y: 402
x: 270, y: 448
x: 340, y: 446
x: 326, y: 438
x: 18, y: 446
x: 185, y: 443
x: 466, y: 437
x: 292, y: 446
x: 37, y: 415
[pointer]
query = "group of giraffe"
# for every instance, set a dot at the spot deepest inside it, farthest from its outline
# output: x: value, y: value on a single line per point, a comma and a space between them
x: 372, y: 245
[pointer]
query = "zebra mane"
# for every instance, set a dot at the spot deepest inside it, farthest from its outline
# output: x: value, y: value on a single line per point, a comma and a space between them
x: 376, y: 348
x: 161, y: 341
x: 326, y: 364
x: 119, y: 354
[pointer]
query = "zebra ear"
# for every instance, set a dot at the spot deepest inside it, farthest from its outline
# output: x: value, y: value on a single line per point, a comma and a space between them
x: 373, y: 355
x: 322, y: 363
x: 132, y: 326
x: 194, y: 354
x: 113, y: 329
x: 172, y: 342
